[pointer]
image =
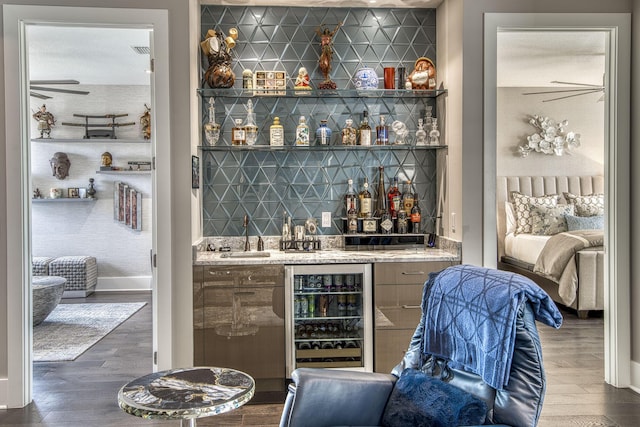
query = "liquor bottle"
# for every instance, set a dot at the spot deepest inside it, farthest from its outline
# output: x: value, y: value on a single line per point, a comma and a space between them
x: 250, y: 128
x: 302, y: 132
x: 434, y: 134
x: 238, y: 136
x: 402, y: 222
x: 421, y: 134
x: 416, y: 216
x: 276, y: 133
x: 352, y: 218
x: 211, y: 128
x: 382, y: 132
x: 407, y: 197
x: 323, y: 133
x: 364, y: 197
x: 365, y: 129
x: 395, y: 198
x: 350, y: 196
x: 386, y: 224
x: 349, y: 133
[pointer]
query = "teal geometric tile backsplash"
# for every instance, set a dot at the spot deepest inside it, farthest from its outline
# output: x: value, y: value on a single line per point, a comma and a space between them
x: 304, y: 182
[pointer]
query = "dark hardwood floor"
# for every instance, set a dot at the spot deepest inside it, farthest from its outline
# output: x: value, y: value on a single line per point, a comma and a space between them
x: 83, y: 392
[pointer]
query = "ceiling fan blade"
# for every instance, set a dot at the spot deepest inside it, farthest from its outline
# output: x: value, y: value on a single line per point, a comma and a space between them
x: 51, y: 89
x: 575, y: 84
x: 39, y: 95
x: 54, y: 82
x: 571, y: 96
x: 595, y: 89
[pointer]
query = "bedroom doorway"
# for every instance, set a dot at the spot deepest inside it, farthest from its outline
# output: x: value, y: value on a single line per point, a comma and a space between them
x: 615, y: 88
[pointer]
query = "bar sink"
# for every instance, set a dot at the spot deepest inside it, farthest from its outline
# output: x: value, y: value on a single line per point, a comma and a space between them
x: 245, y: 255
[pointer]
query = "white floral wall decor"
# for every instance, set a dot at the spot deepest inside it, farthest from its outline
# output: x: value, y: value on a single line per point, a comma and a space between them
x: 551, y: 138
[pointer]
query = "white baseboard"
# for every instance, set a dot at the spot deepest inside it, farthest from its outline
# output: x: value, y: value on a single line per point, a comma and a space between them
x: 137, y: 283
x: 4, y: 403
x: 635, y: 376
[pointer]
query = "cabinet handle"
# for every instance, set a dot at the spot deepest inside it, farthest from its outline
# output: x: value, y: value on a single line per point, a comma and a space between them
x: 413, y: 273
x: 411, y: 306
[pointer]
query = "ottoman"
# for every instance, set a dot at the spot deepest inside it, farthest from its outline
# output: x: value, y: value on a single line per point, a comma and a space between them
x: 47, y: 292
x: 81, y: 273
x: 40, y: 265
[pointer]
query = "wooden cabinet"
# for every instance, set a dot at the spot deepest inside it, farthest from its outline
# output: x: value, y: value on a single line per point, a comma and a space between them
x: 239, y: 323
x: 397, y: 297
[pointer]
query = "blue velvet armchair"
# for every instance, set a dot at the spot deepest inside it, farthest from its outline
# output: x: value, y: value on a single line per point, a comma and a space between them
x: 324, y: 397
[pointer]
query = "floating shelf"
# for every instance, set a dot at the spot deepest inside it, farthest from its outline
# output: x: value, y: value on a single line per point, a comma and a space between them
x: 92, y: 140
x: 65, y: 200
x: 319, y: 147
x: 124, y: 172
x: 318, y: 93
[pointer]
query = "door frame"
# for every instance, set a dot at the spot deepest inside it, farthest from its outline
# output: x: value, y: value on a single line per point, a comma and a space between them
x: 18, y: 387
x: 617, y: 26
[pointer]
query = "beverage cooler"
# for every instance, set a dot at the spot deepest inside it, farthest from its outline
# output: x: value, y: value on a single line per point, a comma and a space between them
x: 328, y: 317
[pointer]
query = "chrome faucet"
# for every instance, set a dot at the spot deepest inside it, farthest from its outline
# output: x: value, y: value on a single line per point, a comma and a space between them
x: 245, y: 224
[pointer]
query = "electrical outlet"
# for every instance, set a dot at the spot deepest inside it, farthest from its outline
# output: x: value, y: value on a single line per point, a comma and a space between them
x: 326, y: 219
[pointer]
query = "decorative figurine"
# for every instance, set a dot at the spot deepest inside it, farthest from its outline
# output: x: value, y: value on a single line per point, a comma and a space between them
x: 423, y: 75
x: 60, y: 165
x: 37, y: 194
x: 434, y: 133
x: 247, y: 79
x: 45, y: 121
x: 421, y: 134
x: 145, y: 122
x: 326, y: 42
x: 302, y: 81
x: 91, y: 191
x: 401, y: 132
x: 218, y: 51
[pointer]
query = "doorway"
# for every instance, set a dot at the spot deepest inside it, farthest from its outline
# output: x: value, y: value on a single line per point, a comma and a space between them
x: 16, y: 18
x: 616, y: 169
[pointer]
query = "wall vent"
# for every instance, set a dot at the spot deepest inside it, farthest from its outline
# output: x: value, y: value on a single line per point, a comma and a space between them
x: 141, y: 50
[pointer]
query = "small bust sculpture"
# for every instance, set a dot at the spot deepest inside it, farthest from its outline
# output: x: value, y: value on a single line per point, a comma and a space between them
x: 60, y: 165
x: 106, y: 159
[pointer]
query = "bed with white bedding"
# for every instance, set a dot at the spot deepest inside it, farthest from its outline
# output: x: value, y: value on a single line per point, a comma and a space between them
x: 520, y: 249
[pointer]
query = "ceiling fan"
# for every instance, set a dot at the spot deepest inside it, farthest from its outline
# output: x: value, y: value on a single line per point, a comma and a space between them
x: 41, y: 85
x: 581, y: 89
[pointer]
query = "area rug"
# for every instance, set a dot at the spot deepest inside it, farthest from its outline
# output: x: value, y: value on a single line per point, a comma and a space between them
x: 71, y: 329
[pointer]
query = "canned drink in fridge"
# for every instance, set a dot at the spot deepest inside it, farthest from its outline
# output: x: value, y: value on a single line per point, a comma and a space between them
x: 327, y: 282
x: 350, y: 281
x: 304, y: 307
x: 311, y: 305
x: 297, y: 307
x: 338, y: 281
x: 342, y: 303
x: 352, y: 304
x: 298, y: 283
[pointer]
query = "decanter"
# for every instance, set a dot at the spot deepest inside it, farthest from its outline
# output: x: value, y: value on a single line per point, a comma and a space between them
x: 421, y: 134
x: 428, y: 117
x: 434, y: 133
x: 251, y: 130
x: 211, y: 128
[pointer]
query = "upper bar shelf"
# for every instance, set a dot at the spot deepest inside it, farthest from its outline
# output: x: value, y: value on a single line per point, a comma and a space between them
x: 321, y: 93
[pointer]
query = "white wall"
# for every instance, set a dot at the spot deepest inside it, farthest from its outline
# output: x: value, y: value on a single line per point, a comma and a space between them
x: 585, y: 115
x: 60, y: 229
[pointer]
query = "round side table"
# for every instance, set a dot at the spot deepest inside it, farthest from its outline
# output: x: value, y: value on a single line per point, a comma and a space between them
x: 186, y: 394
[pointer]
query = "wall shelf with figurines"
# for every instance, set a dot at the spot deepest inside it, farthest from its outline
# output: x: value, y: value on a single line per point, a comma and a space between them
x: 92, y: 140
x: 65, y: 200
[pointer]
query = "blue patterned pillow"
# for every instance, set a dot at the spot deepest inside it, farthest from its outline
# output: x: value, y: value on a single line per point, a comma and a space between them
x: 419, y: 399
x: 585, y: 222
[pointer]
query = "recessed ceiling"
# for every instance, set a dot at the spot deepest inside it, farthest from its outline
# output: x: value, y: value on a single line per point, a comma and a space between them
x: 536, y: 58
x: 94, y: 56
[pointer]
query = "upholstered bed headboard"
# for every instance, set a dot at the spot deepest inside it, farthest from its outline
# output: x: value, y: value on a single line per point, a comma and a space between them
x: 538, y: 186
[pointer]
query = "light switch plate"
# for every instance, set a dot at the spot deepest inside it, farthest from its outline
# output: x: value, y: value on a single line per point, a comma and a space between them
x: 326, y: 219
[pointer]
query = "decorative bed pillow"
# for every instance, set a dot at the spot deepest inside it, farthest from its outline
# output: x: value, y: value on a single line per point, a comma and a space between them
x: 589, y: 205
x: 522, y: 204
x: 585, y: 222
x: 549, y: 221
x: 509, y: 218
x: 419, y: 399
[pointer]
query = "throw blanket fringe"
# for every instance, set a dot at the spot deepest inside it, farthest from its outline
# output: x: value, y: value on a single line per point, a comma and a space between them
x: 470, y: 318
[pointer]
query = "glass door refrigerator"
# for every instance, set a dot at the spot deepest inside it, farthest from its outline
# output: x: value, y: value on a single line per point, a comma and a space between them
x: 328, y: 317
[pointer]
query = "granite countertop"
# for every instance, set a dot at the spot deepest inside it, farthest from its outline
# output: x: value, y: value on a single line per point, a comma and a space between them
x: 329, y: 256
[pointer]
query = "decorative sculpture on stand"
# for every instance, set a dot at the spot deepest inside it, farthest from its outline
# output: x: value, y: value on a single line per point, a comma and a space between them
x: 218, y: 51
x: 326, y: 54
x: 145, y: 122
x: 45, y: 121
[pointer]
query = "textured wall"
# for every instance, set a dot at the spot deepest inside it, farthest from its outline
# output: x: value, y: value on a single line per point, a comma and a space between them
x: 89, y: 228
x: 306, y: 183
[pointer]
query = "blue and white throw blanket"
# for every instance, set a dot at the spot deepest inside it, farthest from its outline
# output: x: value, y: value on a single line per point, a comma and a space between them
x: 470, y: 318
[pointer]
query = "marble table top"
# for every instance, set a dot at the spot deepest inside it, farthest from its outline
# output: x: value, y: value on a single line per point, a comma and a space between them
x: 186, y: 393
